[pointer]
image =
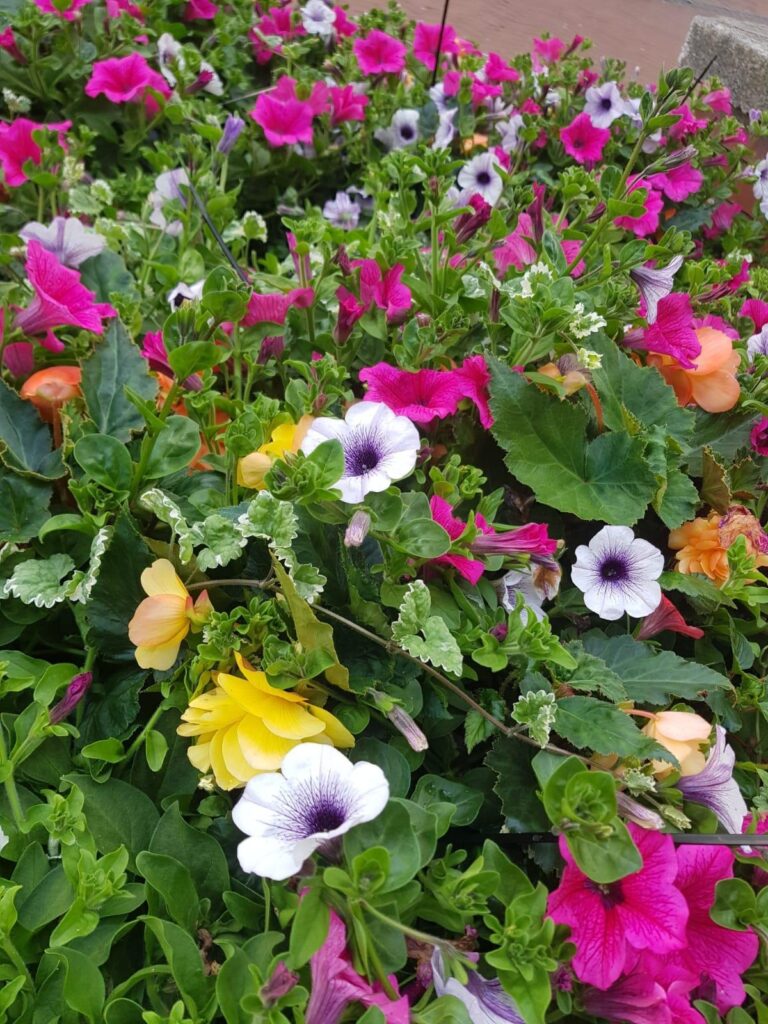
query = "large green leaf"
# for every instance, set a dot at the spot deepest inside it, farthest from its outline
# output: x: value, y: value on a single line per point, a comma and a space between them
x: 23, y: 506
x: 197, y: 850
x: 107, y: 273
x: 116, y: 363
x: 117, y: 814
x: 654, y: 678
x: 25, y: 441
x: 547, y: 447
x: 596, y: 725
x: 516, y: 786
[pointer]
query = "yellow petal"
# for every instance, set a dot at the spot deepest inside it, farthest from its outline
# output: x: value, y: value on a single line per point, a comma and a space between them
x: 252, y: 469
x: 159, y: 619
x: 199, y: 755
x: 224, y: 778
x: 260, y: 681
x: 281, y: 717
x: 261, y: 748
x: 233, y: 755
x: 338, y: 734
x: 209, y: 712
x: 160, y: 658
x: 281, y: 441
x: 161, y: 578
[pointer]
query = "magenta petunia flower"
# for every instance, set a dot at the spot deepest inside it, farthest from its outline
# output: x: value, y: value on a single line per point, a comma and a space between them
x: 679, y: 182
x: 672, y: 332
x: 348, y: 104
x: 667, y: 618
x: 277, y: 21
x: 550, y: 50
x: 379, y: 53
x: 384, y: 290
x: 583, y: 141
x: 75, y: 692
x: 497, y: 70
x: 67, y: 11
x: 757, y: 311
x: 722, y: 217
x: 758, y: 436
x: 126, y: 80
x: 715, y: 955
x: 154, y: 351
x: 11, y: 47
x: 284, y: 117
x: 532, y: 539
x: 516, y: 250
x: 200, y: 10
x: 19, y: 357
x: 336, y: 984
x: 60, y: 299
x: 688, y: 123
x: 343, y: 25
x: 17, y: 145
x: 636, y: 998
x: 653, y: 205
x: 609, y: 922
x: 273, y: 307
x: 421, y: 395
x: 350, y: 311
x: 475, y: 377
x: 426, y: 39
x: 442, y: 513
x: 719, y: 101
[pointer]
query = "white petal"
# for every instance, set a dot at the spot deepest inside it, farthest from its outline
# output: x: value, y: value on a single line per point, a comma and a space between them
x: 274, y: 858
x: 642, y: 599
x: 310, y: 760
x: 611, y: 539
x: 369, y: 785
x: 396, y: 465
x: 584, y: 578
x: 607, y: 602
x: 401, y: 435
x: 354, y: 488
x: 647, y: 560
x: 363, y: 414
x: 325, y: 428
x: 378, y: 479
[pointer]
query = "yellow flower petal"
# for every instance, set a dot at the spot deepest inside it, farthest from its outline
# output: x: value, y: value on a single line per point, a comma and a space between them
x: 281, y: 441
x: 338, y: 734
x: 209, y: 712
x: 199, y: 755
x: 160, y: 619
x: 224, y: 777
x: 252, y: 469
x: 160, y: 658
x: 233, y: 755
x: 261, y: 748
x: 260, y: 681
x: 279, y: 715
x: 161, y: 578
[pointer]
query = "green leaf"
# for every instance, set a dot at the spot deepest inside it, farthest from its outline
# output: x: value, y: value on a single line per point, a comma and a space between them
x: 392, y: 830
x: 592, y: 674
x: 654, y: 678
x: 176, y: 447
x: 173, y: 881
x: 422, y: 538
x: 23, y: 507
x: 606, y: 479
x: 309, y: 928
x: 106, y: 460
x: 84, y: 990
x: 596, y: 725
x: 110, y: 750
x: 605, y: 860
x: 38, y: 581
x: 735, y: 904
x: 431, y: 789
x: 118, y: 814
x: 445, y: 1010
x: 116, y: 364
x: 105, y: 274
x: 194, y: 356
x: 436, y: 643
x: 516, y: 786
x: 537, y: 710
x: 200, y: 852
x: 25, y: 441
x: 183, y: 956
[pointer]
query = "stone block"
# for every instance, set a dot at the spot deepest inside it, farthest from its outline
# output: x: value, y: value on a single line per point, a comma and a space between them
x: 740, y: 49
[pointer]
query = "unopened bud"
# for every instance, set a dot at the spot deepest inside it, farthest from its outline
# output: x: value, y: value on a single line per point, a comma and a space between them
x: 405, y: 725
x: 596, y: 214
x: 279, y: 985
x: 634, y: 811
x: 357, y: 530
x: 75, y: 693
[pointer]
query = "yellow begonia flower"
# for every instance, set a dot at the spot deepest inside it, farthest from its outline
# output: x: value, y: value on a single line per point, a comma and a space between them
x: 252, y: 469
x: 682, y: 734
x: 245, y: 726
x: 164, y: 618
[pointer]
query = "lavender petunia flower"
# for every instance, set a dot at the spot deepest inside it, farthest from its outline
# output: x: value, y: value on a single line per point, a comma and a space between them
x: 480, y: 176
x: 168, y: 187
x: 485, y: 1000
x: 655, y: 284
x: 403, y: 130
x: 342, y: 211
x: 318, y: 18
x: 233, y: 126
x: 715, y: 787
x: 70, y: 241
x: 618, y: 573
x: 510, y: 133
x: 446, y: 129
x: 757, y: 345
x: 760, y: 187
x: 604, y: 103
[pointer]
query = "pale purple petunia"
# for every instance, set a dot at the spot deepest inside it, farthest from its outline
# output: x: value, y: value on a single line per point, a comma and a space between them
x: 604, y: 103
x: 715, y: 787
x: 485, y: 1000
x: 342, y: 212
x: 655, y: 284
x: 70, y: 241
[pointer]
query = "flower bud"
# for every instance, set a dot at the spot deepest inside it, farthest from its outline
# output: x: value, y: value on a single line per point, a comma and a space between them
x: 405, y: 725
x: 357, y: 530
x: 233, y: 126
x: 279, y: 985
x: 633, y: 810
x: 74, y: 694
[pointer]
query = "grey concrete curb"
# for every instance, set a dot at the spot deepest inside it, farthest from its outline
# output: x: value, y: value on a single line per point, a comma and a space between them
x: 740, y: 49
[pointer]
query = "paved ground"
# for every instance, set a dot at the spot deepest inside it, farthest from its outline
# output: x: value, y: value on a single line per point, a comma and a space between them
x: 647, y: 34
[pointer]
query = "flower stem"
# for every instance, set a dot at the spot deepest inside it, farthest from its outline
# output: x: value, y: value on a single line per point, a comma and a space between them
x: 150, y: 439
x: 10, y: 785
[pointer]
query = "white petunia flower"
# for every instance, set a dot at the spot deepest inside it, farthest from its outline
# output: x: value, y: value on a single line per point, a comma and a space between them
x: 403, y: 130
x: 757, y: 345
x: 618, y: 573
x: 509, y: 132
x: 480, y: 176
x: 604, y: 104
x: 67, y: 238
x: 760, y: 187
x: 318, y: 795
x: 318, y: 18
x: 168, y: 187
x: 446, y: 129
x: 379, y: 447
x: 185, y: 293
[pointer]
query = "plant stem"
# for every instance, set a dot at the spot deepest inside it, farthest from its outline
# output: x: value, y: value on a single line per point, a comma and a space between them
x: 10, y: 786
x: 412, y: 933
x: 150, y: 439
x: 14, y: 956
x: 143, y: 734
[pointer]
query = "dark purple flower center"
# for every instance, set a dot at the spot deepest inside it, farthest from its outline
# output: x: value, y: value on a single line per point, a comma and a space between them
x: 325, y: 817
x: 614, y: 570
x: 406, y: 132
x: 484, y: 178
x: 611, y: 895
x: 606, y: 103
x: 363, y: 452
x: 316, y: 805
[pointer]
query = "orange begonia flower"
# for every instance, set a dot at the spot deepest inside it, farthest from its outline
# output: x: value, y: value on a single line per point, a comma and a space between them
x: 164, y: 618
x: 50, y: 388
x: 712, y: 385
x: 702, y: 544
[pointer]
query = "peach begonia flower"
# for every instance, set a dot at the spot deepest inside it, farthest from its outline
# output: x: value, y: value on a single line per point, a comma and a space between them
x: 702, y: 544
x: 246, y: 726
x: 288, y: 437
x: 682, y: 734
x: 50, y: 388
x: 164, y: 618
x: 712, y: 385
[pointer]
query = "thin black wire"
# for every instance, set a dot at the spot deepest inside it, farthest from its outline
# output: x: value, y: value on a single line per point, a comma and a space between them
x: 440, y: 41
x: 506, y: 839
x: 215, y: 232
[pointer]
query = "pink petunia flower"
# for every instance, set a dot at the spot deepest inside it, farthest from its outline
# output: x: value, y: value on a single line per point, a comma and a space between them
x: 719, y: 101
x: 384, y: 290
x: 126, y: 80
x: 276, y: 22
x: 583, y: 141
x: 343, y: 25
x: 712, y: 320
x: 200, y: 10
x: 379, y: 53
x: 154, y: 351
x: 679, y: 182
x: 723, y: 216
x: 667, y: 618
x: 653, y: 204
x: 550, y: 50
x: 117, y: 7
x: 672, y: 333
x: 11, y: 47
x: 709, y: 952
x: 442, y: 513
x: 516, y: 249
x: 757, y: 311
x: 350, y: 311
x: 475, y: 377
x: 60, y: 299
x: 19, y: 357
x: 426, y: 39
x: 347, y: 103
x: 497, y: 70
x: 336, y: 984
x: 17, y: 145
x: 532, y: 539
x: 69, y: 13
x: 688, y: 124
x: 284, y: 117
x: 609, y: 922
x: 636, y: 998
x: 758, y: 436
x: 421, y: 395
x: 272, y: 307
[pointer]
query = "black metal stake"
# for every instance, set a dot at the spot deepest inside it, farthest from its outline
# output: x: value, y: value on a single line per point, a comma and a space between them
x: 215, y: 232
x: 440, y: 41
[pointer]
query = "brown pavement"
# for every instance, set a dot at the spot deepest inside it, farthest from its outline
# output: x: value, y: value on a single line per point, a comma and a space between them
x: 647, y: 34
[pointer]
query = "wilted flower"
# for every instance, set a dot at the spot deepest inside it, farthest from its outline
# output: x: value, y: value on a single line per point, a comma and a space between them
x: 246, y: 726
x: 537, y: 584
x: 667, y: 618
x: 164, y: 617
x: 287, y: 437
x: 319, y: 795
x: 682, y: 734
x: 758, y: 436
x: 702, y: 544
x: 510, y: 132
x: 357, y: 529
x: 379, y: 447
x: 618, y: 573
x: 278, y: 985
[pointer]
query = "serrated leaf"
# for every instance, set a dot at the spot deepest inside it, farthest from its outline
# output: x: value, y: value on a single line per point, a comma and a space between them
x: 702, y: 592
x: 654, y: 678
x: 38, y: 581
x: 537, y: 710
x: 425, y: 636
x: 547, y: 447
x: 715, y: 490
x: 593, y: 724
x: 116, y: 364
x: 592, y: 674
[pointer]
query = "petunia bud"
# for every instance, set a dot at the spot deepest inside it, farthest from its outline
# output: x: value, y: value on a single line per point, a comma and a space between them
x: 633, y: 810
x: 279, y: 985
x: 272, y: 347
x: 357, y: 530
x: 233, y: 126
x: 405, y: 725
x: 75, y: 693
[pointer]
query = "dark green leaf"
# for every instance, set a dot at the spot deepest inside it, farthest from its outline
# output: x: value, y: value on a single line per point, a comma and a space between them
x: 23, y: 507
x: 517, y: 786
x: 116, y: 364
x: 118, y: 814
x: 594, y: 724
x: 309, y: 928
x: 173, y: 882
x: 175, y: 448
x: 25, y: 441
x: 106, y: 460
x: 105, y: 274
x: 200, y: 852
